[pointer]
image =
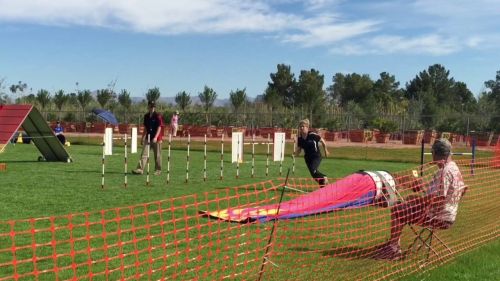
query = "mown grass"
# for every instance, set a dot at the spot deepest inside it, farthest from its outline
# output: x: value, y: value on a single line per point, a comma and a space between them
x: 37, y: 189
x: 32, y: 189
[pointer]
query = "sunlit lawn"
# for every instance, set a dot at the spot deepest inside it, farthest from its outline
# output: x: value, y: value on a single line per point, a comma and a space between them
x: 36, y: 189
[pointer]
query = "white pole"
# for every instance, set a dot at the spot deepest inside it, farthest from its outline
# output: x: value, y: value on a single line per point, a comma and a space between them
x: 253, y: 154
x: 293, y: 156
x: 205, y: 160
x: 103, y: 157
x: 222, y: 157
x: 187, y: 158
x: 148, y: 147
x: 168, y: 158
x: 267, y: 158
x: 281, y: 155
x: 238, y: 159
x: 125, y: 164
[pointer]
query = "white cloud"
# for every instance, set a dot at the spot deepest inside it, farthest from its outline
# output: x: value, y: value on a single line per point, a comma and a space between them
x: 422, y: 26
x: 428, y: 45
x: 320, y: 4
x: 324, y: 35
x: 154, y: 16
x: 194, y: 16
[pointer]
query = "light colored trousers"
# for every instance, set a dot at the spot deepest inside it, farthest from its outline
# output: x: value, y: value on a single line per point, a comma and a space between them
x: 174, y: 128
x: 156, y: 146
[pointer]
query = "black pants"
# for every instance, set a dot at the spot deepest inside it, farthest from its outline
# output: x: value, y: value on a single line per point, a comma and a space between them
x: 61, y: 138
x: 312, y: 163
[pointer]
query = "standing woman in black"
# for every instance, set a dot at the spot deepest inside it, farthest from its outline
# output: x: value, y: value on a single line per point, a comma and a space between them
x: 309, y: 142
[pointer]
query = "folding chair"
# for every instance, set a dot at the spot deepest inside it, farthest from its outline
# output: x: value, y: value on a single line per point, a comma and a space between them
x: 424, y: 238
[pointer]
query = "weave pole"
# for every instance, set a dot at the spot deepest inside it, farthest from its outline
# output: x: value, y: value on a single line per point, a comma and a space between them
x: 253, y: 154
x: 267, y: 156
x: 103, y: 157
x: 238, y: 160
x: 422, y: 157
x: 168, y: 157
x: 473, y: 155
x: 293, y: 156
x: 125, y: 163
x: 205, y: 159
x: 222, y: 157
x: 281, y: 156
x: 187, y: 158
x: 147, y: 159
x: 275, y: 222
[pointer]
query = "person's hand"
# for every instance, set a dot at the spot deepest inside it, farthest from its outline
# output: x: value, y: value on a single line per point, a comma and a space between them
x: 154, y: 140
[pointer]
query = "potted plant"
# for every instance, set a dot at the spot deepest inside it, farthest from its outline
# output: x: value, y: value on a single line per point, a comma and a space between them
x: 333, y: 130
x: 385, y: 128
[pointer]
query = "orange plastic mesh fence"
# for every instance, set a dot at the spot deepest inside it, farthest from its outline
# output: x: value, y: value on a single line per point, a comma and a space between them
x: 170, y: 240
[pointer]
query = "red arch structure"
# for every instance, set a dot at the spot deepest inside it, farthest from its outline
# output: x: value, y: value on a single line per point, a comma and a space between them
x: 12, y: 117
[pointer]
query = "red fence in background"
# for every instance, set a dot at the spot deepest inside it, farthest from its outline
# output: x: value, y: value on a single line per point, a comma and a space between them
x: 409, y: 137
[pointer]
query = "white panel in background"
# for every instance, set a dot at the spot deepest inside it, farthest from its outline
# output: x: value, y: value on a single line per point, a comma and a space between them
x: 237, y: 147
x: 279, y: 147
x: 108, y: 141
x: 133, y: 142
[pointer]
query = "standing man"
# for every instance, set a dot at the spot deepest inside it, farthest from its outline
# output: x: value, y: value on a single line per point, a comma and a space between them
x: 174, y: 123
x: 309, y: 142
x: 151, y: 138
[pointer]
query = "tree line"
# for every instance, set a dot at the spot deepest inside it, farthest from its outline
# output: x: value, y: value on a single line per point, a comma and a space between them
x: 431, y: 100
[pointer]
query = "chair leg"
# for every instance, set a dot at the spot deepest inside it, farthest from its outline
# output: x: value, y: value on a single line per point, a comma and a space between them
x: 442, y: 243
x: 425, y: 240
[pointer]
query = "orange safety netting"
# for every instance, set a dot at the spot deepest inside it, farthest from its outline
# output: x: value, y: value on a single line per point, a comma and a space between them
x: 171, y: 240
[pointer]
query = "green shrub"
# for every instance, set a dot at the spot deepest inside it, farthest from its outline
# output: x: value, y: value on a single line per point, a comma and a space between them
x: 384, y: 125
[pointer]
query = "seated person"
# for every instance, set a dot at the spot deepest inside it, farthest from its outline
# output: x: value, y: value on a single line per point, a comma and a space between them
x: 58, y: 131
x: 437, y: 208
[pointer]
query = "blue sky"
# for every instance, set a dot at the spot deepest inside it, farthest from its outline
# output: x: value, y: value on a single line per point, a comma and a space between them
x: 232, y: 44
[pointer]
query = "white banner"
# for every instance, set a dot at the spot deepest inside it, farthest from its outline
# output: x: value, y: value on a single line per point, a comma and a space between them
x: 279, y: 147
x: 237, y: 147
x: 108, y: 141
x: 133, y: 142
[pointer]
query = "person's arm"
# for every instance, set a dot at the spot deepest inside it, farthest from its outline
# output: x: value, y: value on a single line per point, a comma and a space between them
x: 323, y: 143
x: 160, y: 128
x: 144, y: 131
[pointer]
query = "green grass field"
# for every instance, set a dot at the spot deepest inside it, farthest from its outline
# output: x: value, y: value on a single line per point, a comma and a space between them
x: 38, y: 189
